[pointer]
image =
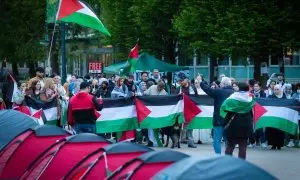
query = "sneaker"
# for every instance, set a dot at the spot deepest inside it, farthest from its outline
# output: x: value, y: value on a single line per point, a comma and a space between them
x: 263, y: 145
x: 251, y: 145
x: 291, y: 144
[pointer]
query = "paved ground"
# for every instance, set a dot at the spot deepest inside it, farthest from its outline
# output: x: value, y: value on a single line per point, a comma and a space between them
x: 283, y: 164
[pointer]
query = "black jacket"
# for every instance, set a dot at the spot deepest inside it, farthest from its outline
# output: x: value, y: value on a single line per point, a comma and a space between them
x: 238, y: 125
x: 261, y: 94
x: 219, y: 96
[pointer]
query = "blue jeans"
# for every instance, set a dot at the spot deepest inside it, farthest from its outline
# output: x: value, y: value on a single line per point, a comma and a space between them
x: 85, y: 128
x: 218, y: 134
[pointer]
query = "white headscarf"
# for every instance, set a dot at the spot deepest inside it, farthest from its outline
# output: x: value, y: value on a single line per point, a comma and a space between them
x: 278, y: 86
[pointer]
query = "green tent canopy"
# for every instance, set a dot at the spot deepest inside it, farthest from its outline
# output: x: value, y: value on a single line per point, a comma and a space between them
x: 115, y: 68
x: 146, y: 62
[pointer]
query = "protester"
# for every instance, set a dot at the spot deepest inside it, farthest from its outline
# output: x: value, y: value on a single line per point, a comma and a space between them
x: 129, y: 82
x: 35, y: 91
x: 18, y: 99
x: 156, y: 75
x: 219, y: 96
x: 104, y: 91
x: 158, y: 89
x: 73, y: 86
x: 288, y: 91
x: 186, y: 88
x: 120, y: 90
x: 94, y: 87
x: 39, y: 77
x: 257, y: 92
x: 50, y: 89
x: 270, y: 90
x: 60, y: 89
x: 279, y: 80
x: 167, y: 86
x: 275, y: 137
x: 144, y: 88
x: 82, y: 110
x: 235, y: 86
x: 238, y: 121
x: 296, y: 95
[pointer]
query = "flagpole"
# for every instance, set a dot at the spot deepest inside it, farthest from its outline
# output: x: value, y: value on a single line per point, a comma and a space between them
x: 50, y: 50
x: 63, y: 53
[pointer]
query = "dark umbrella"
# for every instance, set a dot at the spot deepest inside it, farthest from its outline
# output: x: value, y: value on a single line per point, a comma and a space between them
x: 221, y: 168
x: 12, y: 123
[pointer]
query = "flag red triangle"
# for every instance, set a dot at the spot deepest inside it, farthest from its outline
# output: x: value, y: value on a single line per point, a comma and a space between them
x: 68, y: 7
x: 23, y: 109
x: 127, y: 135
x: 134, y: 53
x: 258, y: 111
x: 37, y: 114
x: 190, y: 110
x: 141, y: 110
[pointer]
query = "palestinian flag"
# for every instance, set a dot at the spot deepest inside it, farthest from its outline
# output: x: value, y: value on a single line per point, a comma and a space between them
x: 117, y: 115
x: 132, y: 60
x: 12, y: 87
x: 198, y: 112
x: 158, y: 111
x: 277, y: 113
x: 40, y: 117
x: 126, y: 135
x: 238, y: 102
x: 49, y: 113
x: 78, y: 12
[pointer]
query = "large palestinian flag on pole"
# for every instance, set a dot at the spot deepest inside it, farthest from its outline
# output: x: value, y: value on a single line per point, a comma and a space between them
x: 277, y: 113
x: 78, y: 12
x: 117, y: 115
x: 158, y: 111
x: 49, y: 109
x: 198, y: 112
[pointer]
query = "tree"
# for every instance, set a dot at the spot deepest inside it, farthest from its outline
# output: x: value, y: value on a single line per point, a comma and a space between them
x: 248, y: 28
x: 22, y: 27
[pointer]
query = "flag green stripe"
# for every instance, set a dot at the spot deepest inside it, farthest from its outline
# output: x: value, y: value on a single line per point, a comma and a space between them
x: 277, y: 122
x: 86, y: 20
x: 133, y: 63
x: 116, y: 125
x: 159, y: 122
x: 233, y: 105
x: 201, y: 123
x: 51, y: 122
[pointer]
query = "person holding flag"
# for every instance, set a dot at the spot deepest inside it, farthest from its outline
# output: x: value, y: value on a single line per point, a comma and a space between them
x: 238, y: 119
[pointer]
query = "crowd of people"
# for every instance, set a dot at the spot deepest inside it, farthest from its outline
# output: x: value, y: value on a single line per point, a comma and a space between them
x: 88, y: 92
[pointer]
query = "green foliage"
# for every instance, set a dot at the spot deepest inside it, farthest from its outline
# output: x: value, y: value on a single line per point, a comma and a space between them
x: 239, y: 28
x: 149, y: 21
x: 22, y: 27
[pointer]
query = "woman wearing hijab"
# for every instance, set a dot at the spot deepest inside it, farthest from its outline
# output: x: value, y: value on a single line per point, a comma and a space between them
x: 275, y: 136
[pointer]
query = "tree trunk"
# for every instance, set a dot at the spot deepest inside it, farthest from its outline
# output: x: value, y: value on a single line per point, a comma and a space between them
x: 170, y: 57
x: 54, y: 58
x: 32, y: 68
x: 15, y: 69
x: 213, y: 69
x: 257, y: 62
